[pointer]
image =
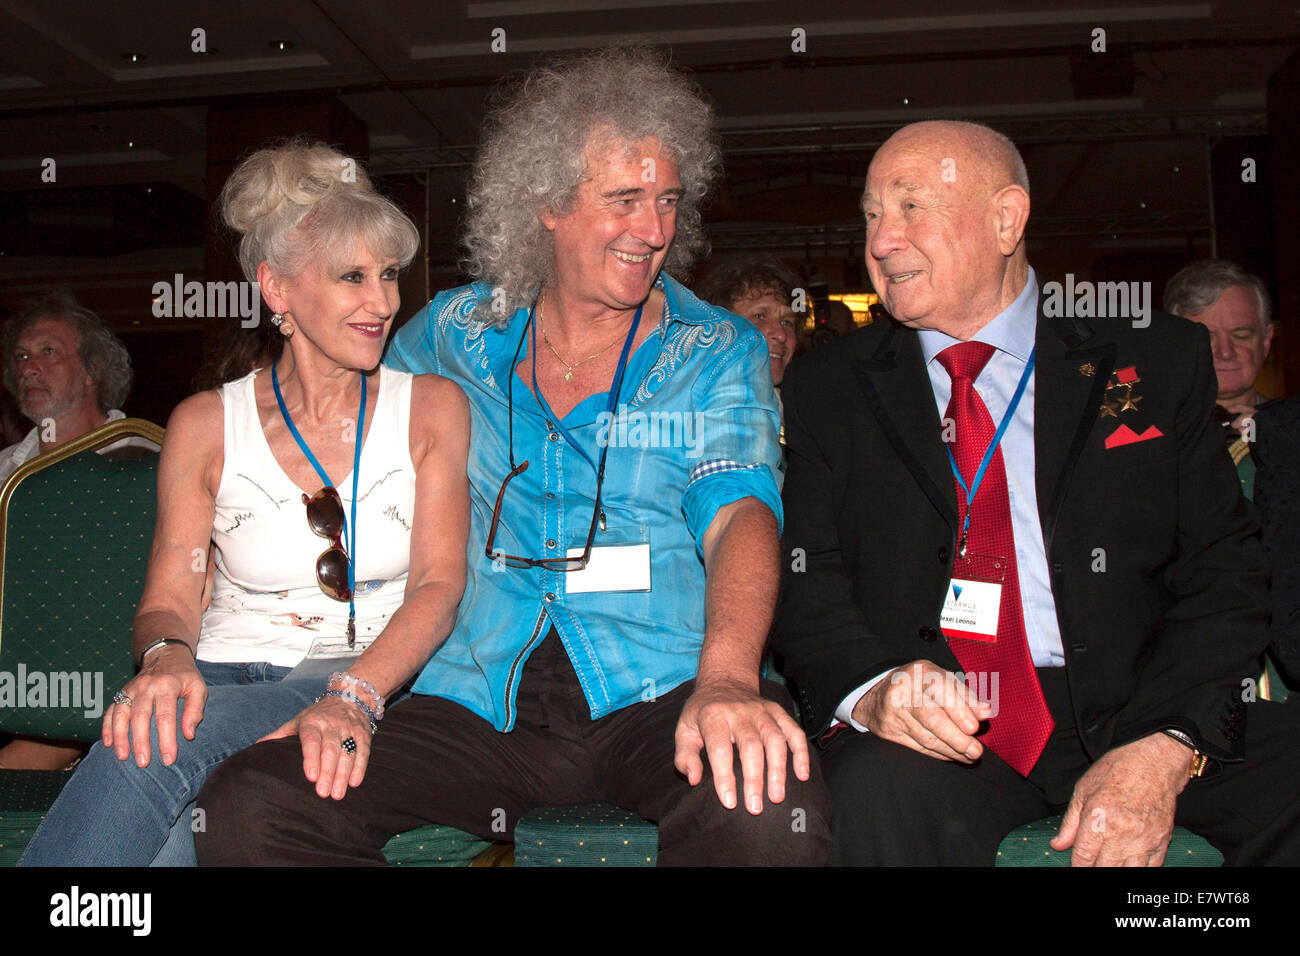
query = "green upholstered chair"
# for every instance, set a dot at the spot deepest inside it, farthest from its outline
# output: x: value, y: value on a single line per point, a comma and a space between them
x: 587, y: 835
x: 1027, y: 845
x: 439, y: 846
x: 1271, y: 685
x: 75, y: 529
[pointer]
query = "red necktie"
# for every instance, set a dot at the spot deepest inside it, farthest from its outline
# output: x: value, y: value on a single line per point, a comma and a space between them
x: 1023, y: 723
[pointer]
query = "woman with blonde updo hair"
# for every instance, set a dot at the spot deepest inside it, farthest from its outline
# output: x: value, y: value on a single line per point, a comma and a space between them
x: 329, y: 494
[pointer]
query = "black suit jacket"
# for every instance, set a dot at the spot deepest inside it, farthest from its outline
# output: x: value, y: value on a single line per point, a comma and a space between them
x: 1164, y: 636
x: 1277, y: 495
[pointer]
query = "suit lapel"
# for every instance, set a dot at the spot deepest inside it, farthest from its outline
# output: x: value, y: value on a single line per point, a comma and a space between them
x: 898, y: 392
x: 1072, y: 367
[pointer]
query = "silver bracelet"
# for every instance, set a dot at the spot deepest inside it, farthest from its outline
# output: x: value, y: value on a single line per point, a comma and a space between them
x: 163, y: 642
x: 353, y: 683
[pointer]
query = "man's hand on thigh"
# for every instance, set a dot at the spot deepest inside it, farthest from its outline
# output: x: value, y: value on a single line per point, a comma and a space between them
x: 1122, y: 810
x: 722, y: 714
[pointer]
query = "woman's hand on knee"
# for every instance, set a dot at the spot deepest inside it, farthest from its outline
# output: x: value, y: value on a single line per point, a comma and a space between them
x: 168, y: 676
x: 335, y: 736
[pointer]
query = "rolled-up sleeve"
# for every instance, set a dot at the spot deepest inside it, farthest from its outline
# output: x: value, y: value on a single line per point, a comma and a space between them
x: 737, y: 453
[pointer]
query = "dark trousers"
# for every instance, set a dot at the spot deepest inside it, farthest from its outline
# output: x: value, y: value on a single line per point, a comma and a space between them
x: 434, y: 761
x: 897, y: 807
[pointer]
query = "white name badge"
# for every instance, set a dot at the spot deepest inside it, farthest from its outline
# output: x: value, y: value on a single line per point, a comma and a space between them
x: 334, y: 648
x: 621, y: 567
x: 970, y: 610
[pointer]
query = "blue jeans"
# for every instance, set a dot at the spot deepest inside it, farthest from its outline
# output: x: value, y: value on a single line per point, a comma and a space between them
x: 113, y: 813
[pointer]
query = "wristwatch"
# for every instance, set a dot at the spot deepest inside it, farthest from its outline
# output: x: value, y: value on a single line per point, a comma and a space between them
x: 1199, y: 760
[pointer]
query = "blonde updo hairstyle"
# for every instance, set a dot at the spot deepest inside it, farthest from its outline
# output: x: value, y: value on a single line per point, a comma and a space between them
x: 298, y: 202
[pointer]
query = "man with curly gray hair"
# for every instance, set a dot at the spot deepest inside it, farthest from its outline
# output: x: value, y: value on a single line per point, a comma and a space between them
x: 68, y: 373
x: 624, y: 553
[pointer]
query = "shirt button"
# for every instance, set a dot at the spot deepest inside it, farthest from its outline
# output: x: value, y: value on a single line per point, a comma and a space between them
x: 550, y: 542
x: 944, y: 554
x: 553, y: 436
x: 927, y: 634
x: 550, y: 597
x: 550, y: 496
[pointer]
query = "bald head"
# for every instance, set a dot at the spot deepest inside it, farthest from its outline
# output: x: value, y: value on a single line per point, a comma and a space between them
x: 946, y: 205
x: 980, y: 151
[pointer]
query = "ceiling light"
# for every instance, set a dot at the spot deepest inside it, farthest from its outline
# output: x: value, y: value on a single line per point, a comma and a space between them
x: 281, y: 45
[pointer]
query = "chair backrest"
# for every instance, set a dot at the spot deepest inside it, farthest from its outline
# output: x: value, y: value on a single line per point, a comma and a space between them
x: 75, y: 532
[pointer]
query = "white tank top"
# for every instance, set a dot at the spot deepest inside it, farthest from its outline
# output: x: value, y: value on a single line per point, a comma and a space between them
x: 266, y: 604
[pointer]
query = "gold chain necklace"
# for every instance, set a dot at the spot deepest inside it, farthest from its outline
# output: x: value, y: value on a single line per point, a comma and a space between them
x: 568, y: 375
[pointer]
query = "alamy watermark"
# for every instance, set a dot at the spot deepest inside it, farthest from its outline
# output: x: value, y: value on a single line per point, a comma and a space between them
x: 77, y: 909
x: 1084, y: 300
x: 82, y: 690
x: 624, y: 429
x: 938, y: 688
x: 208, y: 300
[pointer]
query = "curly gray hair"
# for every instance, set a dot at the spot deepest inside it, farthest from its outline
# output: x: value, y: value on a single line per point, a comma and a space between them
x: 1196, y: 287
x: 104, y: 357
x: 532, y: 159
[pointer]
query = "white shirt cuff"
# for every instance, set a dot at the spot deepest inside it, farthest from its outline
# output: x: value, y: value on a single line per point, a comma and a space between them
x: 844, y: 712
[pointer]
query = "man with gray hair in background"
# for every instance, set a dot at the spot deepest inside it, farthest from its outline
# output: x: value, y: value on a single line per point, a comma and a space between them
x: 68, y: 373
x: 1233, y: 304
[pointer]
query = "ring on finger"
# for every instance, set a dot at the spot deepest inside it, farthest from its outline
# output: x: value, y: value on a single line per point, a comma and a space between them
x: 349, y: 745
x: 121, y: 698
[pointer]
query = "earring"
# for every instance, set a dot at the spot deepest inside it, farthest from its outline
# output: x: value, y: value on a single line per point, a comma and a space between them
x: 286, y: 330
x: 277, y: 319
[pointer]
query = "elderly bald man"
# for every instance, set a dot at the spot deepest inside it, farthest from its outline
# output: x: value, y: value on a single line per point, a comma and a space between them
x: 1028, y: 583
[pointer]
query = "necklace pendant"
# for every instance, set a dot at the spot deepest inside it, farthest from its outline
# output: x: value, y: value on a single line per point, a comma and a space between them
x: 568, y: 376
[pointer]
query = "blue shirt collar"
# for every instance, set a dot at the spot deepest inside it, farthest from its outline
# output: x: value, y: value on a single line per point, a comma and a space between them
x: 681, y: 305
x: 1012, y: 330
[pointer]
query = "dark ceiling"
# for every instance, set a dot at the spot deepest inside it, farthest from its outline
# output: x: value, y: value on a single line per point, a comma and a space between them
x: 1116, y: 141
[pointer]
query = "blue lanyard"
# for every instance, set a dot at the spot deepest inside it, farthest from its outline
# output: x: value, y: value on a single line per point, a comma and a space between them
x: 988, y: 452
x: 614, y: 389
x: 356, y: 470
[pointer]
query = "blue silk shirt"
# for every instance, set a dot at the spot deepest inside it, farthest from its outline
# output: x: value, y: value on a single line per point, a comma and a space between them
x: 695, y: 428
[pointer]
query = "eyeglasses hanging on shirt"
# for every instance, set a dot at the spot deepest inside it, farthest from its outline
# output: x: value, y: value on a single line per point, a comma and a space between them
x: 571, y: 562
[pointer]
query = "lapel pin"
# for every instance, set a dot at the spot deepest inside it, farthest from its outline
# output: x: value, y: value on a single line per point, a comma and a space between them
x: 1124, y: 376
x: 1088, y: 369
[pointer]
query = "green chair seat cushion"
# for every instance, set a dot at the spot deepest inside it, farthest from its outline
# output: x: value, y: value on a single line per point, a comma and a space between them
x: 1027, y: 845
x: 433, y: 846
x: 25, y: 796
x: 76, y: 546
x: 587, y: 835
